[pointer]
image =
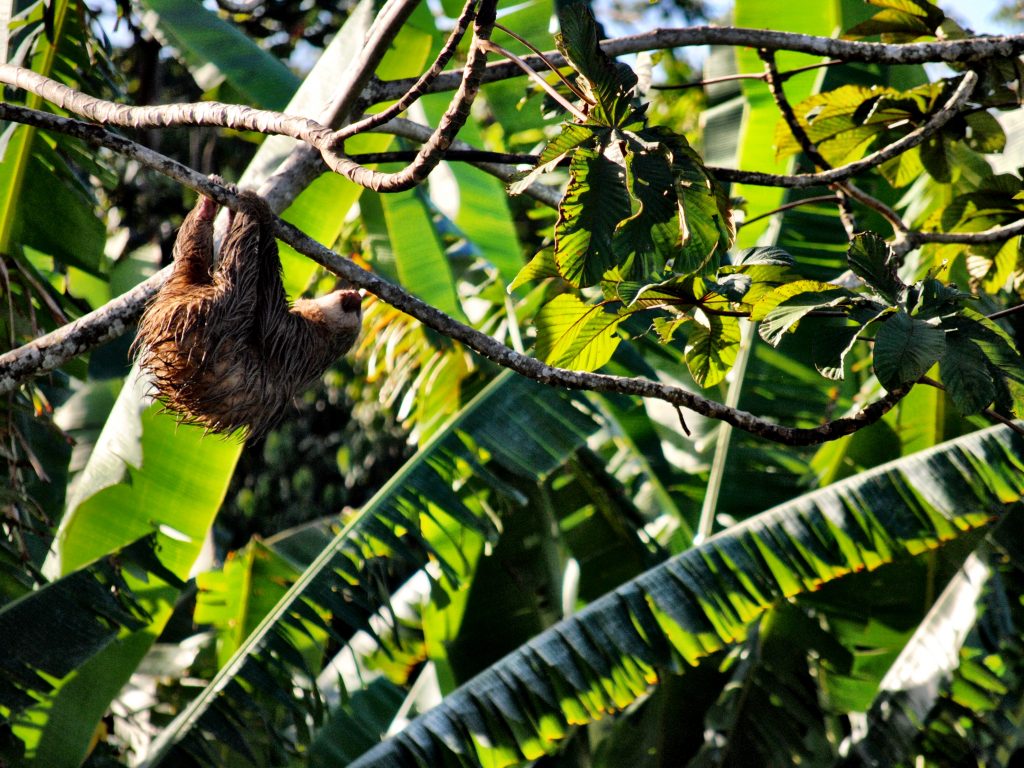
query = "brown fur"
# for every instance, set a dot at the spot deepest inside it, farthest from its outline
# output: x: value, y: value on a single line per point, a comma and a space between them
x: 224, y: 348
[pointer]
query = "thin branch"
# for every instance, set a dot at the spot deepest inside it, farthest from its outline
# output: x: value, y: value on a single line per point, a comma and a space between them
x: 304, y: 163
x: 774, y: 82
x: 843, y: 172
x: 988, y: 413
x: 418, y: 88
x: 454, y: 118
x: 463, y: 155
x: 207, y: 113
x: 783, y: 76
x: 993, y: 235
x: 246, y: 118
x: 557, y: 72
x: 1006, y: 312
x: 791, y: 205
x: 966, y: 50
x: 362, y: 68
x: 567, y: 105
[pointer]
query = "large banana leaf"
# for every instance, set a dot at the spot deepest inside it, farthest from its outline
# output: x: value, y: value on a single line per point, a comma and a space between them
x: 677, y: 614
x: 513, y: 426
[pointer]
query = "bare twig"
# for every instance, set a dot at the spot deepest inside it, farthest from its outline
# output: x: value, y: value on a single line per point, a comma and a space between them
x: 783, y: 76
x: 790, y: 206
x: 1006, y: 312
x: 454, y: 118
x: 934, y: 124
x: 418, y: 88
x: 463, y: 155
x: 774, y: 82
x: 550, y: 65
x: 567, y: 105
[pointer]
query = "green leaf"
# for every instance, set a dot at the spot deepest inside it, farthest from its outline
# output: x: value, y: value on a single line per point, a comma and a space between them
x: 91, y: 605
x: 203, y: 38
x: 784, y: 307
x: 935, y: 158
x: 524, y: 429
x: 675, y: 615
x: 647, y: 240
x: 571, y: 334
x: 540, y: 267
x: 609, y: 83
x: 965, y: 372
x: 572, y: 136
x: 422, y: 264
x: 994, y: 342
x: 595, y: 201
x: 985, y: 134
x: 905, y: 348
x: 769, y: 256
x: 870, y: 259
x: 711, y: 349
x: 234, y: 599
x: 834, y: 337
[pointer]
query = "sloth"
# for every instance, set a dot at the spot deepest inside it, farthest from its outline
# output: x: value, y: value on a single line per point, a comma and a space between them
x: 223, y: 347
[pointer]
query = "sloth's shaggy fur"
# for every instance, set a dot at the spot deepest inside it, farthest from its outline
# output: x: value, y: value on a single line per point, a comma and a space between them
x: 223, y: 346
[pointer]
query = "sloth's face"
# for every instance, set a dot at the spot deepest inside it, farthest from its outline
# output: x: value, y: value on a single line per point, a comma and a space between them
x: 342, y: 310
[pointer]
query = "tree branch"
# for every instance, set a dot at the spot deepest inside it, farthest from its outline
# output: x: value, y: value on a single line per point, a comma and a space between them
x: 434, y: 148
x: 774, y: 82
x: 52, y: 350
x: 934, y: 124
x: 967, y: 50
x: 417, y: 89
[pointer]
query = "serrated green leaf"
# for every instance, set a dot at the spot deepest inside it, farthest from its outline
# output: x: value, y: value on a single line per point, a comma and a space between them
x: 965, y: 372
x: 572, y: 136
x: 571, y: 334
x: 994, y: 342
x: 678, y: 291
x: 791, y: 311
x: 609, y: 83
x: 711, y: 349
x: 903, y: 169
x: 788, y: 291
x: 870, y: 259
x: 905, y: 348
x: 595, y: 201
x: 666, y: 326
x: 652, y: 236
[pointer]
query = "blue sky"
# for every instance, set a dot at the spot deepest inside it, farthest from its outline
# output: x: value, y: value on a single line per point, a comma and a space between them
x: 976, y: 13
